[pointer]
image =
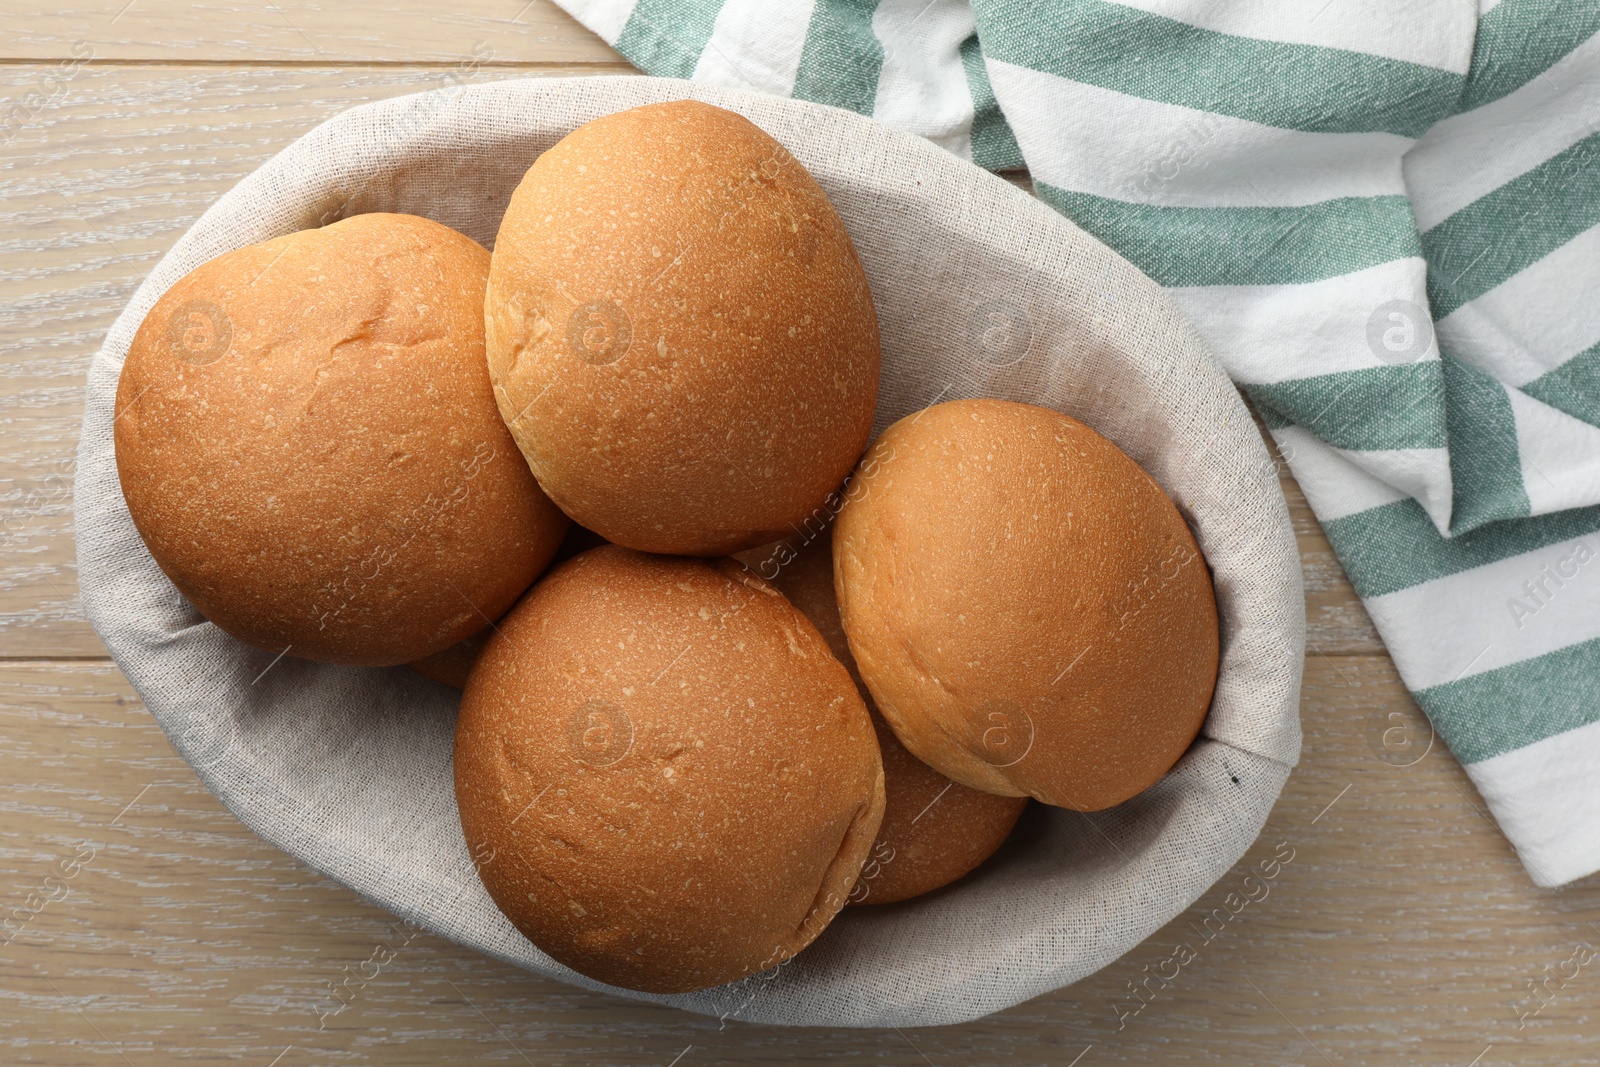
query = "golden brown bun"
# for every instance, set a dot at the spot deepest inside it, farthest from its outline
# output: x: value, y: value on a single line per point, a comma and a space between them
x: 680, y: 334
x: 675, y: 781
x: 454, y: 664
x: 934, y: 830
x: 309, y: 446
x: 1028, y: 608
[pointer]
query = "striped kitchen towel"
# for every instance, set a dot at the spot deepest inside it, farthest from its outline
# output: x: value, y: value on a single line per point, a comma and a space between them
x: 1383, y: 217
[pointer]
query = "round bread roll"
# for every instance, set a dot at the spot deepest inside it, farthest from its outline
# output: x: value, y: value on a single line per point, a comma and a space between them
x: 934, y: 830
x: 1026, y: 605
x: 680, y: 334
x: 308, y: 443
x: 452, y: 666
x: 674, y: 781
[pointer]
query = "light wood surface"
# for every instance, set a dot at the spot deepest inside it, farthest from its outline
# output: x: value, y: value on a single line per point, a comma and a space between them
x: 236, y: 32
x: 1403, y: 930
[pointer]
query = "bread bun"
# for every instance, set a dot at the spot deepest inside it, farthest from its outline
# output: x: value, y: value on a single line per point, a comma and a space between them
x: 680, y: 334
x: 308, y: 443
x: 452, y: 666
x: 934, y: 830
x: 1028, y: 608
x: 674, y: 780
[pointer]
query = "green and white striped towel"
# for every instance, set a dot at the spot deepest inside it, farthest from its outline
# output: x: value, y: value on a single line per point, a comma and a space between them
x: 1308, y: 180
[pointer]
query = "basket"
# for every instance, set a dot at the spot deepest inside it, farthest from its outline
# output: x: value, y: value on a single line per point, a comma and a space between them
x: 981, y: 290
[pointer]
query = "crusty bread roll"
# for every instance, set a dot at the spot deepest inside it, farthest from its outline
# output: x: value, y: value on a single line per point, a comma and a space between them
x: 1026, y: 605
x: 674, y: 781
x: 309, y: 446
x: 680, y: 334
x: 934, y: 830
x: 454, y: 664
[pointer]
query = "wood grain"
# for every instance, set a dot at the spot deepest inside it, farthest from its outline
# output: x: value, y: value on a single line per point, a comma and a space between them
x: 1403, y: 928
x: 265, y: 31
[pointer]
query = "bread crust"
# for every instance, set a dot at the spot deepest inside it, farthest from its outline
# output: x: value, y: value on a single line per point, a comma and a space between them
x: 1029, y: 610
x: 680, y: 332
x: 308, y: 443
x: 675, y: 779
x: 452, y: 666
x: 934, y: 830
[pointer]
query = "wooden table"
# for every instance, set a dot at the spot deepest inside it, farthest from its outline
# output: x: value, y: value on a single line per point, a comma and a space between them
x: 1403, y: 930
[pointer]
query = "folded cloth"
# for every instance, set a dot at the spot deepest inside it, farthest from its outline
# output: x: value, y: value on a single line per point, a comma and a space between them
x: 1309, y: 182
